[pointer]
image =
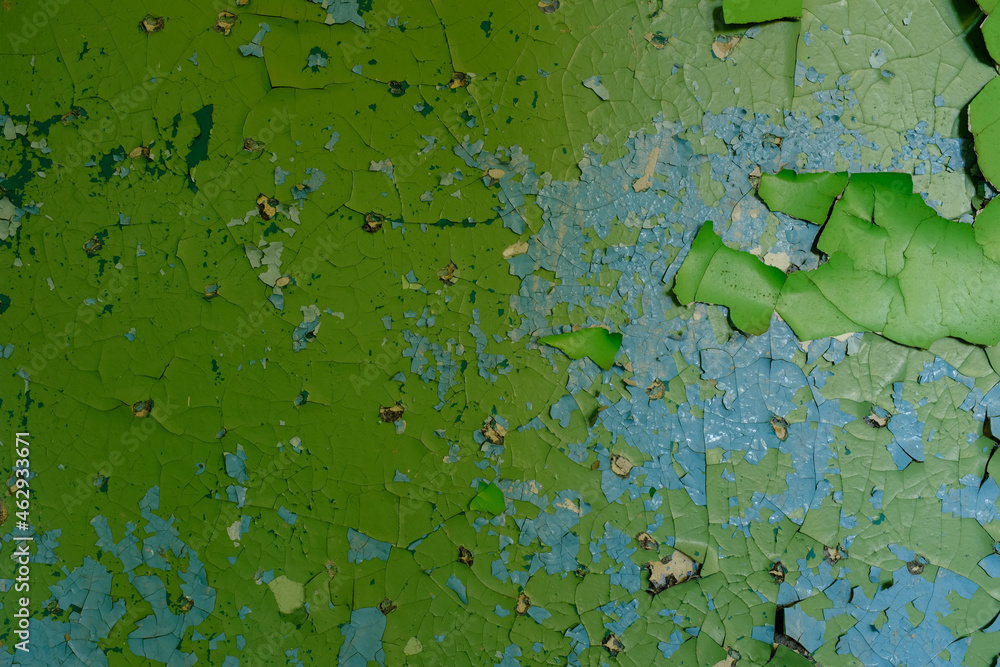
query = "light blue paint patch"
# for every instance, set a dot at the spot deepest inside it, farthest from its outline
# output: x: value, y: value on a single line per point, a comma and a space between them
x: 314, y: 180
x: 510, y: 657
x: 669, y: 648
x: 236, y: 465
x: 563, y: 409
x: 580, y: 642
x: 555, y: 529
x: 804, y: 629
x: 237, y: 494
x: 317, y: 59
x: 623, y: 615
x: 907, y: 444
x: 305, y: 331
x: 925, y: 148
x: 976, y: 499
x: 400, y: 477
x: 332, y: 141
x: 287, y: 515
x: 363, y: 547
x: 341, y: 11
x: 254, y: 47
x: 539, y: 614
x: 615, y: 545
x: 867, y: 644
x: 445, y: 368
x: 455, y: 584
x: 363, y: 638
x: 991, y: 564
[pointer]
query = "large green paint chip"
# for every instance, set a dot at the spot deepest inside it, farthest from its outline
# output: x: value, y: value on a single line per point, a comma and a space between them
x: 894, y: 266
x: 758, y: 11
x: 984, y: 123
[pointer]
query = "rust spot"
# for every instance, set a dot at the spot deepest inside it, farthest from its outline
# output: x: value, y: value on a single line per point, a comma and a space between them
x: 266, y: 206
x: 139, y: 151
x: 465, y: 556
x: 373, y: 222
x: 657, y: 39
x: 647, y: 542
x: 391, y: 413
x: 669, y: 571
x: 494, y: 174
x: 621, y: 466
x: 493, y: 432
x: 447, y: 274
x: 397, y: 88
x: 386, y: 606
x: 724, y: 45
x: 876, y: 421
x: 331, y: 569
x: 3, y: 513
x: 151, y: 24
x: 778, y: 571
x: 251, y: 144
x: 612, y: 644
x: 523, y: 604
x: 656, y: 390
x: 459, y: 80
x: 832, y: 554
x: 915, y: 567
x: 93, y: 245
x: 211, y: 290
x: 72, y: 114
x: 143, y: 408
x: 780, y: 427
x: 224, y: 23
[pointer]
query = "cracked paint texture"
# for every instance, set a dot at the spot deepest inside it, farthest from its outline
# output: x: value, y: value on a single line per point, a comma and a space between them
x: 282, y: 287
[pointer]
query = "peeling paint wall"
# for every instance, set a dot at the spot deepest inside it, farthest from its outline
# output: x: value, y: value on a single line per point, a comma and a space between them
x: 346, y: 332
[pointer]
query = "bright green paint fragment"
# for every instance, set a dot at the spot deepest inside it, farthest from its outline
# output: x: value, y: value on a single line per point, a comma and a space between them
x: 984, y: 114
x: 596, y: 342
x: 714, y: 273
x: 991, y: 35
x: 489, y: 499
x: 758, y: 11
x: 805, y: 196
x: 895, y: 266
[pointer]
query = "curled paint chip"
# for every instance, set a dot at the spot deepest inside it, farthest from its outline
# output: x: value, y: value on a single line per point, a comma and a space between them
x: 922, y: 277
x: 748, y: 11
